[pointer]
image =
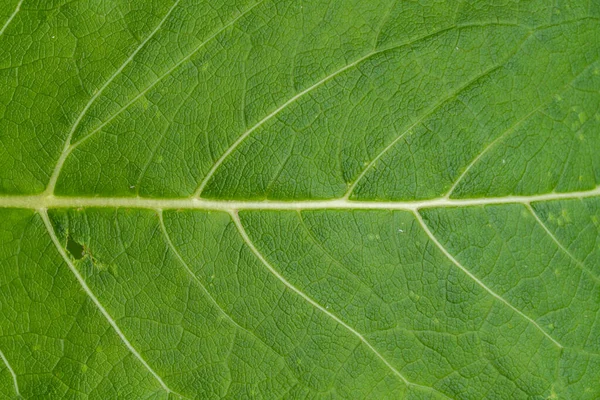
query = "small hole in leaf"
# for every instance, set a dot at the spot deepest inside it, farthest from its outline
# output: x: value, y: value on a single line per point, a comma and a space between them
x: 74, y: 248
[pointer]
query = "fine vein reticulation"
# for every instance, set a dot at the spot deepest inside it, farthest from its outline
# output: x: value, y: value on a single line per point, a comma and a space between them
x: 274, y: 113
x: 478, y: 281
x: 288, y: 199
x: 67, y: 145
x: 263, y: 260
x: 44, y: 214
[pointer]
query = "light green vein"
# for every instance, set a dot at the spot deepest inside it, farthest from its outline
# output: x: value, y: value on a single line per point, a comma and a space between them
x: 44, y: 214
x: 580, y: 264
x: 478, y: 281
x: 272, y: 270
x: 12, y: 16
x: 12, y: 373
x: 67, y: 144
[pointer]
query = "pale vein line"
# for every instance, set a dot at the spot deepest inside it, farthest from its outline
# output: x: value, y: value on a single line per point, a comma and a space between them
x: 579, y: 263
x: 161, y: 77
x: 205, y: 290
x: 263, y: 260
x: 509, y: 130
x: 67, y: 145
x: 44, y: 214
x: 427, y: 113
x: 190, y: 272
x: 199, y: 282
x: 51, y: 201
x: 12, y: 373
x: 489, y: 147
x: 12, y: 16
x: 248, y: 132
x: 477, y: 280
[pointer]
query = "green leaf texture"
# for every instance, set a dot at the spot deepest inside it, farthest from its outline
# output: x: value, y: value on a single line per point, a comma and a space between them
x: 385, y: 199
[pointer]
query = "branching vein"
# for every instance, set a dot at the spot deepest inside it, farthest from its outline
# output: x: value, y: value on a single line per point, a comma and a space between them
x: 44, y: 214
x: 12, y: 16
x: 161, y: 77
x: 201, y: 285
x: 427, y: 113
x: 561, y: 246
x: 272, y: 270
x: 478, y: 281
x: 247, y: 133
x: 508, y: 132
x: 67, y: 145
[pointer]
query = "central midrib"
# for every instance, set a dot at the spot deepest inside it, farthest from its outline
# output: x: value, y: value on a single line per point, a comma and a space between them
x: 51, y: 201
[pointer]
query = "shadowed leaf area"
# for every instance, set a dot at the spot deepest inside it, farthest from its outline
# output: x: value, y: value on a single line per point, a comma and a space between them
x: 75, y: 248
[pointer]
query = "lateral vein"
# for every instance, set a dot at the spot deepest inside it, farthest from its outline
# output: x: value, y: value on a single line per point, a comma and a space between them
x: 161, y: 77
x: 12, y: 16
x: 44, y: 214
x: 67, y: 145
x: 509, y: 131
x: 450, y: 257
x: 12, y: 373
x: 244, y: 136
x: 195, y: 278
x: 579, y: 263
x: 274, y: 272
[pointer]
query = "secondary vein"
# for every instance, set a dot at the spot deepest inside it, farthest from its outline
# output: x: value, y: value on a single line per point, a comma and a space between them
x: 161, y: 77
x: 579, y: 263
x: 67, y: 144
x: 200, y: 284
x: 449, y: 256
x: 12, y: 16
x: 289, y: 285
x: 299, y: 95
x: 12, y: 373
x: 44, y: 214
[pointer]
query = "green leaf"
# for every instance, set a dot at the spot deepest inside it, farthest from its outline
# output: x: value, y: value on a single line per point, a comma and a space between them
x: 291, y: 199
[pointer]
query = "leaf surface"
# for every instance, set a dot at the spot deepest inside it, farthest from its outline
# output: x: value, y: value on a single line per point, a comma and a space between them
x: 289, y: 199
